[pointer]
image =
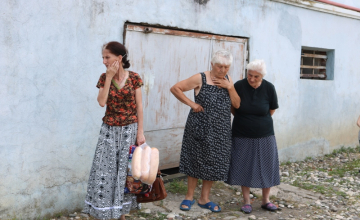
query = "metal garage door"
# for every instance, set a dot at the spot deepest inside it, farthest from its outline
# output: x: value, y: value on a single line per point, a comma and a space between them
x: 163, y: 57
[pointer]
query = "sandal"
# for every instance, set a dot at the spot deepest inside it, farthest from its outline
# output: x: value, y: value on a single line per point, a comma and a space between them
x: 211, y: 206
x: 269, y: 206
x: 247, y: 208
x: 188, y: 203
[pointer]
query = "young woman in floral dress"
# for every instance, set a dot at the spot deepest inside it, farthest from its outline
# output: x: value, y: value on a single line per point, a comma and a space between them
x: 119, y: 90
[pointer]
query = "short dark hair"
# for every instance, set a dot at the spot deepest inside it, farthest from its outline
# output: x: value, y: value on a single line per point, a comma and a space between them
x: 118, y: 49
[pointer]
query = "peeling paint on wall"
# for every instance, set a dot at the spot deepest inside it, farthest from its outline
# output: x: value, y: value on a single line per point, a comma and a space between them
x: 290, y: 27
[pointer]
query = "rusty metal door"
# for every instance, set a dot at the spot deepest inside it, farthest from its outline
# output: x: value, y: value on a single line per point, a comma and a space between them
x: 164, y: 57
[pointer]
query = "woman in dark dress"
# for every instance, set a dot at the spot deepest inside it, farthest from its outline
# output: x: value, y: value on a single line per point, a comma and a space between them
x: 254, y: 155
x: 205, y: 152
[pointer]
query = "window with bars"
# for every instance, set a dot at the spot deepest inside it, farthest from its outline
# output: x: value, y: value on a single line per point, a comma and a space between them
x: 317, y: 64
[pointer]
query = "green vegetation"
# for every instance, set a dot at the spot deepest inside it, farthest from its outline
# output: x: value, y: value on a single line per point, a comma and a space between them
x: 350, y: 167
x: 177, y: 186
x: 329, y: 180
x: 159, y: 216
x: 343, y: 150
x: 273, y: 198
x: 58, y: 215
x: 285, y: 163
x: 325, y: 190
x: 307, y: 159
x: 218, y: 185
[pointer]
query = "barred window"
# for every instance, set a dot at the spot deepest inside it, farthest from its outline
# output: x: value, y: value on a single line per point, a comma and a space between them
x: 316, y: 64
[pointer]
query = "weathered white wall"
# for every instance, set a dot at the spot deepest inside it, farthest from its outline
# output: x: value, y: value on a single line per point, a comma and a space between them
x: 50, y: 63
x: 353, y: 3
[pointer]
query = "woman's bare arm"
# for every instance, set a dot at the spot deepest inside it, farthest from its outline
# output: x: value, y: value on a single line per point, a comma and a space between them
x: 272, y: 111
x: 104, y: 91
x: 229, y: 85
x: 188, y: 84
x: 235, y: 98
x: 140, y: 138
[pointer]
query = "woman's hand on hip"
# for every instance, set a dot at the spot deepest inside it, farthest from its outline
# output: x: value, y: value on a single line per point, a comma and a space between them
x: 197, y: 108
x: 140, y: 138
x: 112, y: 69
x: 223, y: 83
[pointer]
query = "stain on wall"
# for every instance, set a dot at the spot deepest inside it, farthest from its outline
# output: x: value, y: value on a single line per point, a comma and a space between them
x: 289, y: 26
x: 201, y: 2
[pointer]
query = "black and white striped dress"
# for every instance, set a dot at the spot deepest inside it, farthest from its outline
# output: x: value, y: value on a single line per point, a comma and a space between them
x: 206, y: 146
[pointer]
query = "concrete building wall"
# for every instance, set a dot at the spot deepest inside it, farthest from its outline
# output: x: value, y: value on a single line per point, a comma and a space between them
x: 353, y: 3
x: 51, y: 61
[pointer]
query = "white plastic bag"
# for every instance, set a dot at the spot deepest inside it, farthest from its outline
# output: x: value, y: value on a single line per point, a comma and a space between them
x: 145, y: 162
x: 136, y: 163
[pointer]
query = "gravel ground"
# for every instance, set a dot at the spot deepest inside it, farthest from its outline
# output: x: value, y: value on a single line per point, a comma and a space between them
x: 326, y: 187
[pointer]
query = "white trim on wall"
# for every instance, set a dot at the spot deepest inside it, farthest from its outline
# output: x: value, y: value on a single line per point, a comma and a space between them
x: 318, y: 6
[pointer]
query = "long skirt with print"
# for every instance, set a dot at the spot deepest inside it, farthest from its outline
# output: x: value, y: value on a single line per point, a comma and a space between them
x: 105, y: 197
x: 254, y: 162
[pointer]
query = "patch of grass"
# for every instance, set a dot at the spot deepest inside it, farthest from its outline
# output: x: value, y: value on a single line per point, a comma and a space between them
x: 199, y: 182
x: 218, y: 185
x: 330, y: 180
x: 339, y: 171
x: 309, y: 186
x: 342, y: 150
x: 285, y: 163
x: 272, y: 197
x: 339, y: 193
x: 325, y: 190
x: 177, y: 186
x: 303, y: 173
x: 308, y: 159
x: 58, y: 215
x: 342, y: 182
x: 351, y: 167
x: 159, y: 216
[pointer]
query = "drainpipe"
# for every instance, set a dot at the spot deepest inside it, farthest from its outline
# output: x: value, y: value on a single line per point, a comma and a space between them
x: 339, y: 5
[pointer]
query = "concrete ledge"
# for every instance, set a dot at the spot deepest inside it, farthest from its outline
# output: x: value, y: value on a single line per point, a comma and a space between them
x: 322, y: 7
x: 172, y: 177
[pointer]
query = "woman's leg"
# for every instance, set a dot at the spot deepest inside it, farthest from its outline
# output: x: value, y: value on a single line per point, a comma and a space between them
x: 192, y: 182
x: 122, y: 217
x: 265, y: 195
x: 205, y: 193
x: 246, y: 194
x: 266, y: 204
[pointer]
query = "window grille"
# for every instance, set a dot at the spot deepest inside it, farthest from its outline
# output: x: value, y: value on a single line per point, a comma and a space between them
x: 313, y: 64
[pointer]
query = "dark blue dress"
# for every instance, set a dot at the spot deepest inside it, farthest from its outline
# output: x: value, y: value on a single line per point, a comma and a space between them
x: 205, y: 152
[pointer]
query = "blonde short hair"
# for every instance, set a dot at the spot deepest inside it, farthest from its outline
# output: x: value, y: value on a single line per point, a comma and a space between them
x: 222, y: 57
x: 258, y: 66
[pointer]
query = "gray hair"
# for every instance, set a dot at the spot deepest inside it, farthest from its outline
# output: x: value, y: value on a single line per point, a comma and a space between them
x: 258, y: 66
x: 222, y: 57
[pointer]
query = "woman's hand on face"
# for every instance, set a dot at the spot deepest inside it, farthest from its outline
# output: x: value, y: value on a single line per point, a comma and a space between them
x: 197, y: 108
x: 140, y: 138
x: 223, y: 83
x: 112, y: 69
